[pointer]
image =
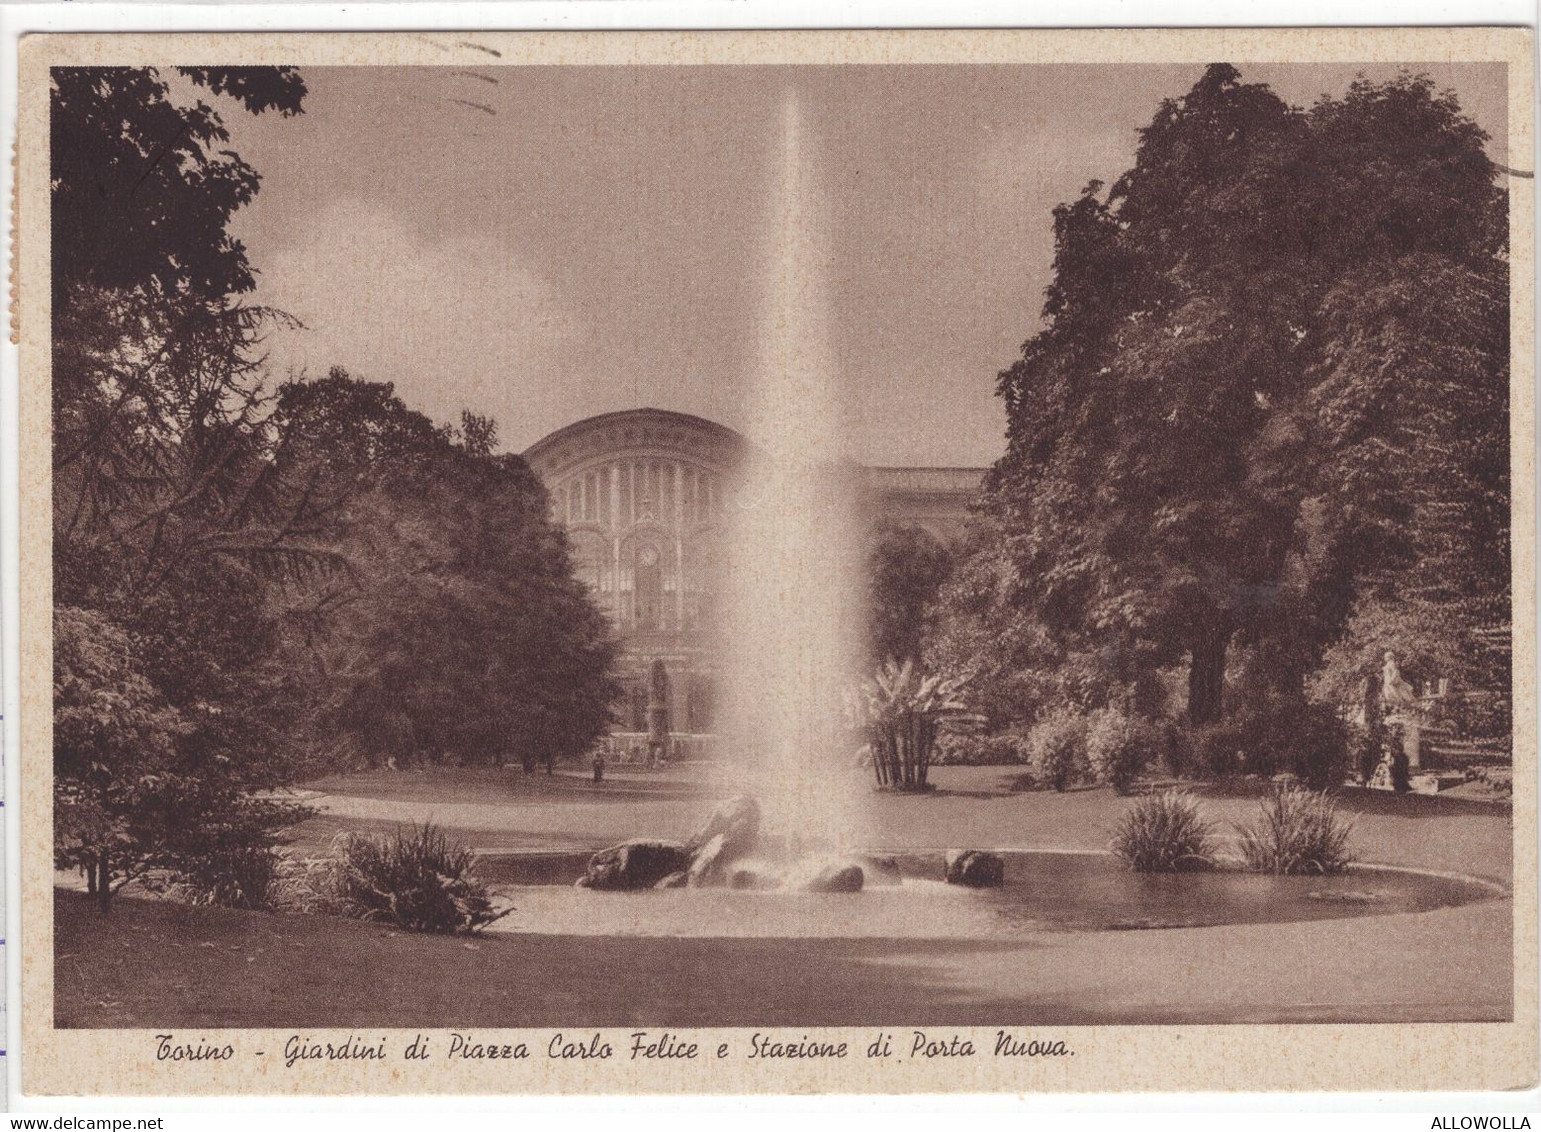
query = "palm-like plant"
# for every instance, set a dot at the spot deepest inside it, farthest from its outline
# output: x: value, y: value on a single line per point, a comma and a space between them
x: 900, y: 712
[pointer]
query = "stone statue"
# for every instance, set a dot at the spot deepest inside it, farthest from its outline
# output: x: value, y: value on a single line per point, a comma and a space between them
x: 657, y: 712
x: 1400, y: 700
x: 1395, y: 692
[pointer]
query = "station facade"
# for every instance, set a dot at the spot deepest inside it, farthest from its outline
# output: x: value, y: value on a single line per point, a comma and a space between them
x: 644, y: 497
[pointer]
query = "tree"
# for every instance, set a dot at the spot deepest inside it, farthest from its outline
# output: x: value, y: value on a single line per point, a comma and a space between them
x: 171, y: 525
x: 113, y: 737
x: 983, y: 635
x: 131, y: 795
x: 1174, y: 474
x: 907, y: 567
x: 1138, y: 418
x: 143, y: 187
x: 1414, y: 416
x: 458, y: 631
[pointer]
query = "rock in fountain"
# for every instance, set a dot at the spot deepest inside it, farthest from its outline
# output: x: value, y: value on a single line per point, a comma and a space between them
x: 720, y: 854
x: 635, y: 864
x: 736, y: 824
x: 974, y: 868
x: 732, y: 832
x: 829, y: 875
x: 880, y: 870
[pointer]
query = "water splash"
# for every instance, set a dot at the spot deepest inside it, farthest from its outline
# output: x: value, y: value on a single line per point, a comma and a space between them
x: 794, y: 604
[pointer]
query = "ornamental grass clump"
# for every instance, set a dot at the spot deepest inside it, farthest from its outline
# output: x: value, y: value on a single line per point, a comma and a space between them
x: 1164, y: 833
x: 417, y: 881
x: 1298, y: 832
x: 249, y: 877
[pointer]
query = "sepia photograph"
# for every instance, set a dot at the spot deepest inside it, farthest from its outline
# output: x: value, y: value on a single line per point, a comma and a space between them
x: 895, y: 560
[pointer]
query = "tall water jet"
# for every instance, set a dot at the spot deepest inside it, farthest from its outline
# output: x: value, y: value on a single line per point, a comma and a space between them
x: 793, y: 603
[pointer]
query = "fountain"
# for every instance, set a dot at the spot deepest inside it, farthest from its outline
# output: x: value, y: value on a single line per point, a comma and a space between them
x: 793, y: 604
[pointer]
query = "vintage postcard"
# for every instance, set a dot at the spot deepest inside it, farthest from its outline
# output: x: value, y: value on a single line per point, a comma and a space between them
x: 777, y: 562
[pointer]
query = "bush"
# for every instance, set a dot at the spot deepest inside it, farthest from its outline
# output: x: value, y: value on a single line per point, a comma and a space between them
x: 1002, y: 749
x: 1299, y: 832
x: 1314, y: 744
x: 1056, y: 749
x: 1278, y: 735
x: 1164, y: 833
x: 1476, y: 714
x: 417, y: 881
x: 1498, y: 779
x: 1394, y: 757
x: 1220, y: 749
x: 1120, y: 746
x: 246, y: 876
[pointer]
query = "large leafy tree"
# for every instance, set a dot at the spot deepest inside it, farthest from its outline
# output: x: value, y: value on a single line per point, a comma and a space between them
x: 143, y: 185
x: 1413, y: 406
x: 906, y: 568
x: 162, y: 454
x: 170, y: 522
x: 458, y: 631
x: 1185, y: 432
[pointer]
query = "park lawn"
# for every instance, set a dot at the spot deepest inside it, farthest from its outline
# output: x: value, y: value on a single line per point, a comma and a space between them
x: 153, y: 963
x: 507, y: 783
x: 169, y: 966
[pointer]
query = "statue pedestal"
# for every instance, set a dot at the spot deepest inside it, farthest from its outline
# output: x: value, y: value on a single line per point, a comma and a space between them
x: 1412, y: 739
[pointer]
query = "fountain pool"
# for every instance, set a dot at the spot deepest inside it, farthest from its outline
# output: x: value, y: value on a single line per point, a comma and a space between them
x: 1043, y: 891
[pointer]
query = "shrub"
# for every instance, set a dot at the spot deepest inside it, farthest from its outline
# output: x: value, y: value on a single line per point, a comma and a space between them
x: 1002, y: 749
x: 417, y: 881
x: 1498, y: 779
x: 1396, y: 755
x: 1119, y: 746
x: 246, y: 877
x: 1181, y: 756
x: 311, y: 886
x: 1298, y: 832
x: 1313, y: 743
x: 1368, y: 746
x: 1221, y: 748
x: 1164, y: 833
x: 1277, y: 735
x: 1056, y: 748
x: 1476, y: 714
x: 901, y: 712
